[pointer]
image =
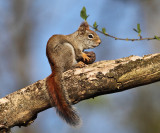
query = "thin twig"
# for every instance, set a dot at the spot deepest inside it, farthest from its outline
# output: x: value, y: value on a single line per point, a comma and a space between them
x: 125, y: 39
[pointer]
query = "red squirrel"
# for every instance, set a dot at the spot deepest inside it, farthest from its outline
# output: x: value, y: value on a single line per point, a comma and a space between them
x: 64, y: 52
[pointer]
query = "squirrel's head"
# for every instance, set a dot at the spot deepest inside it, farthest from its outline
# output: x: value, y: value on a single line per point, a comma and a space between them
x: 89, y: 37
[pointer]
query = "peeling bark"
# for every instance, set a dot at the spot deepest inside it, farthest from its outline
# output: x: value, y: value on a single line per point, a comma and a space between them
x: 20, y: 108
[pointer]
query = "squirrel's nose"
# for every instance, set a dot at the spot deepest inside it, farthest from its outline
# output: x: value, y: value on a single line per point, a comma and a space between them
x: 99, y: 41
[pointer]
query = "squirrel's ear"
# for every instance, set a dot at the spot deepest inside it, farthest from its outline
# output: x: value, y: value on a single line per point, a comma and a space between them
x: 83, y: 27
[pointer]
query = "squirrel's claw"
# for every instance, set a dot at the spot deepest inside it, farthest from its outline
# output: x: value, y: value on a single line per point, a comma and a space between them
x: 85, y: 57
x: 80, y: 65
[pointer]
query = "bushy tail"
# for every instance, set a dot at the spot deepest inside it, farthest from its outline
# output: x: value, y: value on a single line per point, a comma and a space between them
x: 58, y: 98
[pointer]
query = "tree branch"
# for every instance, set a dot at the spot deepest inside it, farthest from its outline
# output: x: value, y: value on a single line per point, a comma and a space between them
x: 20, y: 108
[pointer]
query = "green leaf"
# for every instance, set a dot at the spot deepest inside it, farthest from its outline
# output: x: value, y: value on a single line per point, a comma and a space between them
x: 135, y: 30
x: 104, y: 30
x: 83, y: 14
x: 95, y: 25
x: 138, y: 28
x: 158, y: 38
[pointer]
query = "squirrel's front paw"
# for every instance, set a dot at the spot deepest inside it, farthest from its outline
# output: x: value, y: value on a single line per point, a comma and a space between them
x: 85, y: 57
x: 92, y: 57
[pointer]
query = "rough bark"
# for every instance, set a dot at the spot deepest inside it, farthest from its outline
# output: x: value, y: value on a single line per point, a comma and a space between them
x: 20, y: 108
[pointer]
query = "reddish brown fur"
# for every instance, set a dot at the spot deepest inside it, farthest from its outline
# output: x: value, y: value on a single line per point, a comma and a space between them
x: 63, y: 57
x: 64, y: 109
x: 58, y: 98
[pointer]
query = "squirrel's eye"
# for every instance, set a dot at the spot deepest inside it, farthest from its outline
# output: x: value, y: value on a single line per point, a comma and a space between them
x: 90, y: 36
